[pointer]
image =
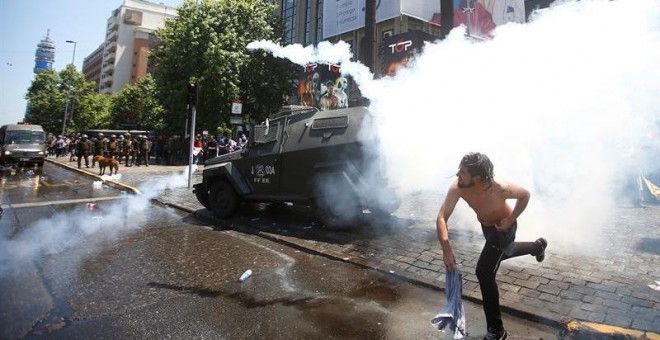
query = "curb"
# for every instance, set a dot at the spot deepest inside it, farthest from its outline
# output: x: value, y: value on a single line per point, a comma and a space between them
x: 598, y: 330
x: 110, y: 182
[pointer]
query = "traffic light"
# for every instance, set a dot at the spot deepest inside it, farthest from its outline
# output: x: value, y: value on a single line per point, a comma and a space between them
x: 192, y: 94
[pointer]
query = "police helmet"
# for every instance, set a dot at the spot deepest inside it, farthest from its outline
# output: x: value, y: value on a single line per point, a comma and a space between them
x: 121, y: 136
x: 127, y: 134
x: 100, y: 134
x: 113, y: 136
x: 84, y: 136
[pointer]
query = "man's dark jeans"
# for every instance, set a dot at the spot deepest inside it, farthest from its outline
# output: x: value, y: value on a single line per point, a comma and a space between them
x: 487, y: 266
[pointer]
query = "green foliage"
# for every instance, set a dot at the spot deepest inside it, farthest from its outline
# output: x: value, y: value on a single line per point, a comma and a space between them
x: 206, y: 44
x: 51, y: 92
x: 138, y: 104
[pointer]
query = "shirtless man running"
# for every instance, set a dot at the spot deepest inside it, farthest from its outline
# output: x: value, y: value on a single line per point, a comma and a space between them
x: 487, y: 197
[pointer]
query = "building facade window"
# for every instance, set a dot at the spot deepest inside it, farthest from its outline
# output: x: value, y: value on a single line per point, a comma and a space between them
x: 318, y: 34
x: 308, y: 22
x: 289, y: 16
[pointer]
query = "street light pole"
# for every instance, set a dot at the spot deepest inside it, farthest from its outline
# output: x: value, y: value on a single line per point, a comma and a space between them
x: 73, y: 58
x: 68, y: 95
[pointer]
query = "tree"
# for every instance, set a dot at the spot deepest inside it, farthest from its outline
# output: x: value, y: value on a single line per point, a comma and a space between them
x: 51, y: 93
x: 46, y: 101
x: 206, y: 45
x: 138, y: 104
x: 267, y: 79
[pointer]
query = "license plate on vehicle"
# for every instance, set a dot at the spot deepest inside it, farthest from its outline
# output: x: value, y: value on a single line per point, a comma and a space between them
x: 24, y: 159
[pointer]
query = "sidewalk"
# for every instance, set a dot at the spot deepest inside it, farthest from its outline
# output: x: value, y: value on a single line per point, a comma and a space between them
x: 586, y: 296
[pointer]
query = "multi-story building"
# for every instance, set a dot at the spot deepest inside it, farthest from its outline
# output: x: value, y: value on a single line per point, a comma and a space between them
x: 92, y: 66
x: 129, y: 37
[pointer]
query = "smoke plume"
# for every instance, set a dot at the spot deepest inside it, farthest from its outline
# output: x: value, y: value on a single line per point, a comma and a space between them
x: 563, y: 105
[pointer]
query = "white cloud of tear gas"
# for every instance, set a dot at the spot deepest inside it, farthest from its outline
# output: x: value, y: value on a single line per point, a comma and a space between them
x: 103, y: 220
x: 325, y: 52
x: 563, y: 105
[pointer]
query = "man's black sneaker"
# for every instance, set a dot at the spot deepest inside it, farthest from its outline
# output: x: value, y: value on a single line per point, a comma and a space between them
x: 544, y: 244
x: 501, y: 335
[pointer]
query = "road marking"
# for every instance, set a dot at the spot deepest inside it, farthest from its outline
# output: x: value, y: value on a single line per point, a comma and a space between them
x: 78, y: 200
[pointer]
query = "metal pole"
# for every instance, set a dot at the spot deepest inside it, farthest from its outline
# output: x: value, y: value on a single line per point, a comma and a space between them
x: 68, y: 95
x: 66, y: 110
x: 73, y: 58
x: 192, y: 141
x: 468, y: 13
x: 369, y: 34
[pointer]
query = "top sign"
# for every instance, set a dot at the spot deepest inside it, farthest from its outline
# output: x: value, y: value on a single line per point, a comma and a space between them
x: 237, y: 107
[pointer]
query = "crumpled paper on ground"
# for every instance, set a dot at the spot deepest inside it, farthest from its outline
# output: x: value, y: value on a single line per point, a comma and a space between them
x: 452, y: 315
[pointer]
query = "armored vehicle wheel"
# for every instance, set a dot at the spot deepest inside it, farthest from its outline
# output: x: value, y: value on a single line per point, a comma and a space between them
x: 337, y: 204
x: 202, y: 194
x: 223, y: 199
x: 339, y: 213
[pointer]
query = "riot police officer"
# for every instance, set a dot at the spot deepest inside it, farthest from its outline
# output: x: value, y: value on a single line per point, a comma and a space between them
x: 100, y: 145
x: 112, y: 146
x: 143, y: 151
x: 120, y: 147
x: 128, y: 148
x: 83, y: 149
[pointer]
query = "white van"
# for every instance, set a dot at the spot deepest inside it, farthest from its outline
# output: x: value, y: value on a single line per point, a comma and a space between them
x: 22, y: 143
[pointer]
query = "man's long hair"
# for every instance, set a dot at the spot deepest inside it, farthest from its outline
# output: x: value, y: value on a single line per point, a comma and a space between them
x: 478, y: 164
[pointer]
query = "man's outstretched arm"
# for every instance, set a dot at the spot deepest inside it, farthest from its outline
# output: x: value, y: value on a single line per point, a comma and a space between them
x: 446, y: 209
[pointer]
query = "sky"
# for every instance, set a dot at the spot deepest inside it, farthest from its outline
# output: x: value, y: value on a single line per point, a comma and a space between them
x: 23, y: 23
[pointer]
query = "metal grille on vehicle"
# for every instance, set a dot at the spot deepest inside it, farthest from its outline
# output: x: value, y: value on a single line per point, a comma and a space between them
x: 330, y: 123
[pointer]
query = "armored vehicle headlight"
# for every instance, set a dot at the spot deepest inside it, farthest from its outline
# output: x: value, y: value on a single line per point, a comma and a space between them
x: 40, y: 153
x: 7, y: 153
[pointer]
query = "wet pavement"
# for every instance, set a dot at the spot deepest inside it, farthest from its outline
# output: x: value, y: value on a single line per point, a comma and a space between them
x: 611, y: 292
x: 125, y: 270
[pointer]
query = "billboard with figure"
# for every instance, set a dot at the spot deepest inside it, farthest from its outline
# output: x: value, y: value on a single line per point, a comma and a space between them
x: 485, y: 14
x: 397, y: 50
x: 323, y: 86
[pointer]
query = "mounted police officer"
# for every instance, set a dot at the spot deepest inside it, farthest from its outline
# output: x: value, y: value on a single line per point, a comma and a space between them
x: 83, y: 149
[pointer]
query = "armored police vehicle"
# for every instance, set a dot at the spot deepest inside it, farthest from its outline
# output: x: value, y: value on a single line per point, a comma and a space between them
x: 325, y: 159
